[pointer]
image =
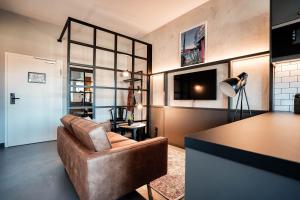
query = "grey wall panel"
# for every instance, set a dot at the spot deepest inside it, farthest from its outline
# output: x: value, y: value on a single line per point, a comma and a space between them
x: 285, y: 11
x: 157, y: 121
x: 176, y: 122
x: 211, y: 177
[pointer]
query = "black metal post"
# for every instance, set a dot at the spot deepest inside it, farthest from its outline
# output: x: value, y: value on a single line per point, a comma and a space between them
x: 68, y: 67
x: 94, y: 72
x: 149, y: 71
x: 116, y: 81
x: 229, y: 99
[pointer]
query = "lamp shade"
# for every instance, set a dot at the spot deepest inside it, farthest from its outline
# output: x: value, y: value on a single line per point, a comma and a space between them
x: 231, y: 86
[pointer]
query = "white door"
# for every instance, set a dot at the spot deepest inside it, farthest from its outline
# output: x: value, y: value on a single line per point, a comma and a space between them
x: 35, y: 116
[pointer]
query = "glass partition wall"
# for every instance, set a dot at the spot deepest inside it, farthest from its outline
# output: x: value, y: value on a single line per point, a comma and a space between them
x: 108, y: 74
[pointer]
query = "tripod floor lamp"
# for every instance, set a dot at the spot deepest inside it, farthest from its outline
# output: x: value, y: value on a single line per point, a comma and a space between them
x: 236, y: 86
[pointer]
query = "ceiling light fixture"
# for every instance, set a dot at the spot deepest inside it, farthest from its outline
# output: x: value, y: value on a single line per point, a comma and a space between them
x: 125, y: 73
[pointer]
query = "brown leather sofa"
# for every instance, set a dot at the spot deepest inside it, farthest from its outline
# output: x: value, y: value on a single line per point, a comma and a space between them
x: 107, y: 171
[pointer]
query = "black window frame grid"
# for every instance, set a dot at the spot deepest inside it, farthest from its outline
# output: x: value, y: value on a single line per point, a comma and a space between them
x: 93, y: 67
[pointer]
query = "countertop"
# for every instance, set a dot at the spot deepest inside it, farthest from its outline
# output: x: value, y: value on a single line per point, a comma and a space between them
x: 270, y: 141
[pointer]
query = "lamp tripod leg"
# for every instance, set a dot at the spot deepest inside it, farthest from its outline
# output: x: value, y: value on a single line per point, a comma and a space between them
x: 242, y: 97
x: 247, y: 102
x: 236, y: 107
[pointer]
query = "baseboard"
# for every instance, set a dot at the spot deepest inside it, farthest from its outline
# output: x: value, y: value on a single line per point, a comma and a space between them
x: 1, y: 145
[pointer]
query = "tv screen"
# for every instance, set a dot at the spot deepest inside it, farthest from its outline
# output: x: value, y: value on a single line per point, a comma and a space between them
x: 196, y: 86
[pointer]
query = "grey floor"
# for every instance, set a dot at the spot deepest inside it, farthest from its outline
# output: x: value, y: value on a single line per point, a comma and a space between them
x: 35, y: 172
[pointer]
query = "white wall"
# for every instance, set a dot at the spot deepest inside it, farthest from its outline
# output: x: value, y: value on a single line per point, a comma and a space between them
x: 257, y: 87
x: 23, y: 35
x: 234, y: 28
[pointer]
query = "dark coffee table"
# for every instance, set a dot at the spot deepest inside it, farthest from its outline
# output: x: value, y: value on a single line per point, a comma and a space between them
x: 137, y: 130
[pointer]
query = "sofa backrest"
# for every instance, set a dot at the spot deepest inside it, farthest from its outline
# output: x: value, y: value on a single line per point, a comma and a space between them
x: 66, y: 121
x: 92, y: 135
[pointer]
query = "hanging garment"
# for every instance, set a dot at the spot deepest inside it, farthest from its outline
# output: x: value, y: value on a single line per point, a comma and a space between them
x: 130, y: 99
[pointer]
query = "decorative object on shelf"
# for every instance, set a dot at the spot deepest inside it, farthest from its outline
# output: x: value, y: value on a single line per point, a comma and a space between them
x: 233, y: 86
x: 193, y: 45
x: 35, y: 77
x: 297, y: 104
x: 130, y: 119
x: 139, y: 90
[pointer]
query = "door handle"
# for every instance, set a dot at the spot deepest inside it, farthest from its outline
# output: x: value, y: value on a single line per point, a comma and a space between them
x: 13, y: 98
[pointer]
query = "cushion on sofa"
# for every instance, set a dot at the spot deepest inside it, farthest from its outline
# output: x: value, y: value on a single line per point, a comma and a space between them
x: 66, y: 121
x: 91, y: 134
x: 106, y: 126
x: 123, y: 143
x: 115, y: 137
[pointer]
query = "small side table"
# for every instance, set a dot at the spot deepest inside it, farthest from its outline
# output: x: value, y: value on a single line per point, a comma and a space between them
x: 135, y: 129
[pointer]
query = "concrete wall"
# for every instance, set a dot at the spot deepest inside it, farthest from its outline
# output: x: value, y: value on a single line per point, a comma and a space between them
x: 234, y: 28
x: 25, y: 36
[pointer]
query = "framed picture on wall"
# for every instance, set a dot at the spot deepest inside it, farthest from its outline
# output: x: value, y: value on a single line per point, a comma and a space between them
x: 193, y: 45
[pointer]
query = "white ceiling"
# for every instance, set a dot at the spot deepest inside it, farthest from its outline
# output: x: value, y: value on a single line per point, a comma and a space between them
x: 131, y: 17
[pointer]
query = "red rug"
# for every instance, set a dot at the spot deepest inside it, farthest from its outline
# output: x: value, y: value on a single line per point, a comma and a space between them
x: 171, y: 186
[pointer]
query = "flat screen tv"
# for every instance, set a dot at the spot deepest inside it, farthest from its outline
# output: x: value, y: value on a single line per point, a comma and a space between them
x: 196, y: 86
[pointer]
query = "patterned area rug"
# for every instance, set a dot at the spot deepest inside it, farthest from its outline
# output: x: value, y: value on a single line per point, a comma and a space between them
x: 171, y: 186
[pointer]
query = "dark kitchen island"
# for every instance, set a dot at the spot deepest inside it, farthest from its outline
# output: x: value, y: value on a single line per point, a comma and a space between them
x: 255, y: 158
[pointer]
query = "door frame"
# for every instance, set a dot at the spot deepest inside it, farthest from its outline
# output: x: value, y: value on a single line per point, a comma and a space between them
x: 6, y: 101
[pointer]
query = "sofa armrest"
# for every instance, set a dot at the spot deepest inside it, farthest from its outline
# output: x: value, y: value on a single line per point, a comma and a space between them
x: 74, y: 157
x: 116, y: 172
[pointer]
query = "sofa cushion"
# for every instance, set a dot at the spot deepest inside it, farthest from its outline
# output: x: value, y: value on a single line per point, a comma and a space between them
x: 115, y: 137
x: 123, y: 143
x: 66, y: 121
x: 91, y: 134
x: 106, y: 126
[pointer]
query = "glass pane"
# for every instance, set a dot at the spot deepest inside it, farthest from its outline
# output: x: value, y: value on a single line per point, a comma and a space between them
x: 122, y: 80
x: 106, y: 40
x: 75, y: 75
x: 81, y: 54
x: 140, y: 114
x: 105, y: 97
x: 102, y: 114
x: 105, y: 78
x: 124, y: 45
x: 140, y: 65
x: 82, y: 112
x: 124, y: 62
x: 81, y: 98
x: 122, y: 97
x: 140, y: 81
x: 104, y: 58
x: 82, y: 33
x: 77, y: 89
x: 140, y: 49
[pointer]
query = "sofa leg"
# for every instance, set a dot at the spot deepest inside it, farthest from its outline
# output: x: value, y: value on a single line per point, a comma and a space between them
x: 149, y: 192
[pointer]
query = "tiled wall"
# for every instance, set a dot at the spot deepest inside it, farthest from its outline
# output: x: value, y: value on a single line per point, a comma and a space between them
x: 287, y: 84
